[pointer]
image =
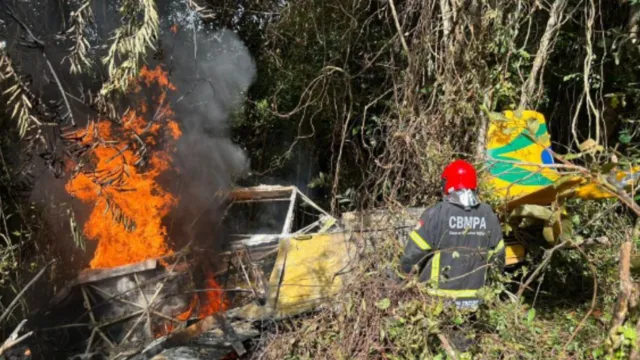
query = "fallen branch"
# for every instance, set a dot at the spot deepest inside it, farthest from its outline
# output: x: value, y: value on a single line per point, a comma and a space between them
x: 621, y: 307
x: 628, y: 296
x: 447, y: 346
x: 13, y: 303
x: 13, y: 339
x: 546, y: 259
x: 597, y: 241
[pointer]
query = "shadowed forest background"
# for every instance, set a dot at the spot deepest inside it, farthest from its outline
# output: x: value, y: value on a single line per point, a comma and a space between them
x: 359, y: 104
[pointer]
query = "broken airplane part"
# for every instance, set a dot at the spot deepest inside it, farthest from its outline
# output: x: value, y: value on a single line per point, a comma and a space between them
x: 523, y: 174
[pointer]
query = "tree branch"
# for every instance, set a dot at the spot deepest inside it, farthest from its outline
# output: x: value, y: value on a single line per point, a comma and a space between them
x: 61, y: 89
x: 626, y: 290
x: 13, y: 303
x: 399, y: 28
x: 447, y: 346
x: 547, y: 258
x: 13, y: 339
x: 544, y: 49
x: 41, y: 46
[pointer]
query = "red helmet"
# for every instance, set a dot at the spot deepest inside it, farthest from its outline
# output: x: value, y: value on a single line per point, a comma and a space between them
x: 459, y: 175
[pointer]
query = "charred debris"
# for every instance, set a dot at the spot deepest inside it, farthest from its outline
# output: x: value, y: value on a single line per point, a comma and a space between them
x: 155, y: 309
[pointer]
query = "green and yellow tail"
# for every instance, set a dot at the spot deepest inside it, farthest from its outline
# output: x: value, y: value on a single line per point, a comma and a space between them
x: 521, y: 168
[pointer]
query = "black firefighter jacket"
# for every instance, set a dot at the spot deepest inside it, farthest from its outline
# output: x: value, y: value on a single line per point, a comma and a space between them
x: 455, y: 247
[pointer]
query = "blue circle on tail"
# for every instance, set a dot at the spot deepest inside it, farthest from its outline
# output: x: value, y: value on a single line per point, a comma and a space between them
x: 546, y: 156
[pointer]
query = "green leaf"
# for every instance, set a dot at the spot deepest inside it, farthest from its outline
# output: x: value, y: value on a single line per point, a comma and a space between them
x: 518, y: 113
x: 624, y: 138
x: 617, y: 99
x: 524, y: 54
x: 555, y: 231
x: 544, y: 138
x: 532, y: 211
x: 531, y: 314
x: 562, y: 180
x: 614, y: 102
x: 549, y: 234
x: 383, y: 304
x: 466, y: 356
x: 571, y: 76
x: 588, y: 144
x: 572, y: 156
x: 629, y: 333
x: 575, y: 219
x: 437, y: 310
x: 507, y: 229
x: 606, y: 168
x: 497, y: 116
x: 262, y: 105
x: 533, y: 125
x: 597, y: 353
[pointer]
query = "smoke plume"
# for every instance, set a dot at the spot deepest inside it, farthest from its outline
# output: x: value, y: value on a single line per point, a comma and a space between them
x: 212, y: 70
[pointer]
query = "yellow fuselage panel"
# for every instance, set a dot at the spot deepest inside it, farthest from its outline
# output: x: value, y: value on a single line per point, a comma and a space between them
x: 515, y: 253
x: 308, y: 272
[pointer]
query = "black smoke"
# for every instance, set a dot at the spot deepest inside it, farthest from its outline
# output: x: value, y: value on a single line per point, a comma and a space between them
x: 212, y: 70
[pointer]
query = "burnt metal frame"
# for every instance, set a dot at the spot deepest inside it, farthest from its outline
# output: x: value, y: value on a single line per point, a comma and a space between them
x: 265, y: 193
x: 87, y: 280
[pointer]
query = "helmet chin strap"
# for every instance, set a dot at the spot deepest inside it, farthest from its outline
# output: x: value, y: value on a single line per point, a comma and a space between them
x: 465, y: 198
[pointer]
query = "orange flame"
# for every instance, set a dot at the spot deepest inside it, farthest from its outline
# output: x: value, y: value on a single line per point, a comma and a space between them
x: 212, y: 301
x: 119, y: 181
x: 185, y: 315
x: 122, y: 185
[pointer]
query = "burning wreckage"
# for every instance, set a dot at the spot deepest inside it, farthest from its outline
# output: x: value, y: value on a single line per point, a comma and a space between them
x: 149, y: 309
x: 142, y: 297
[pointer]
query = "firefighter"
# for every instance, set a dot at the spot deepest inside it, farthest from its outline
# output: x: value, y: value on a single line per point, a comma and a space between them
x: 456, y: 240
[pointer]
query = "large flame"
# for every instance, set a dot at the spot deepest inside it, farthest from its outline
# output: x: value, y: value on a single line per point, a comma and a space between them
x: 119, y: 170
x: 120, y: 184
